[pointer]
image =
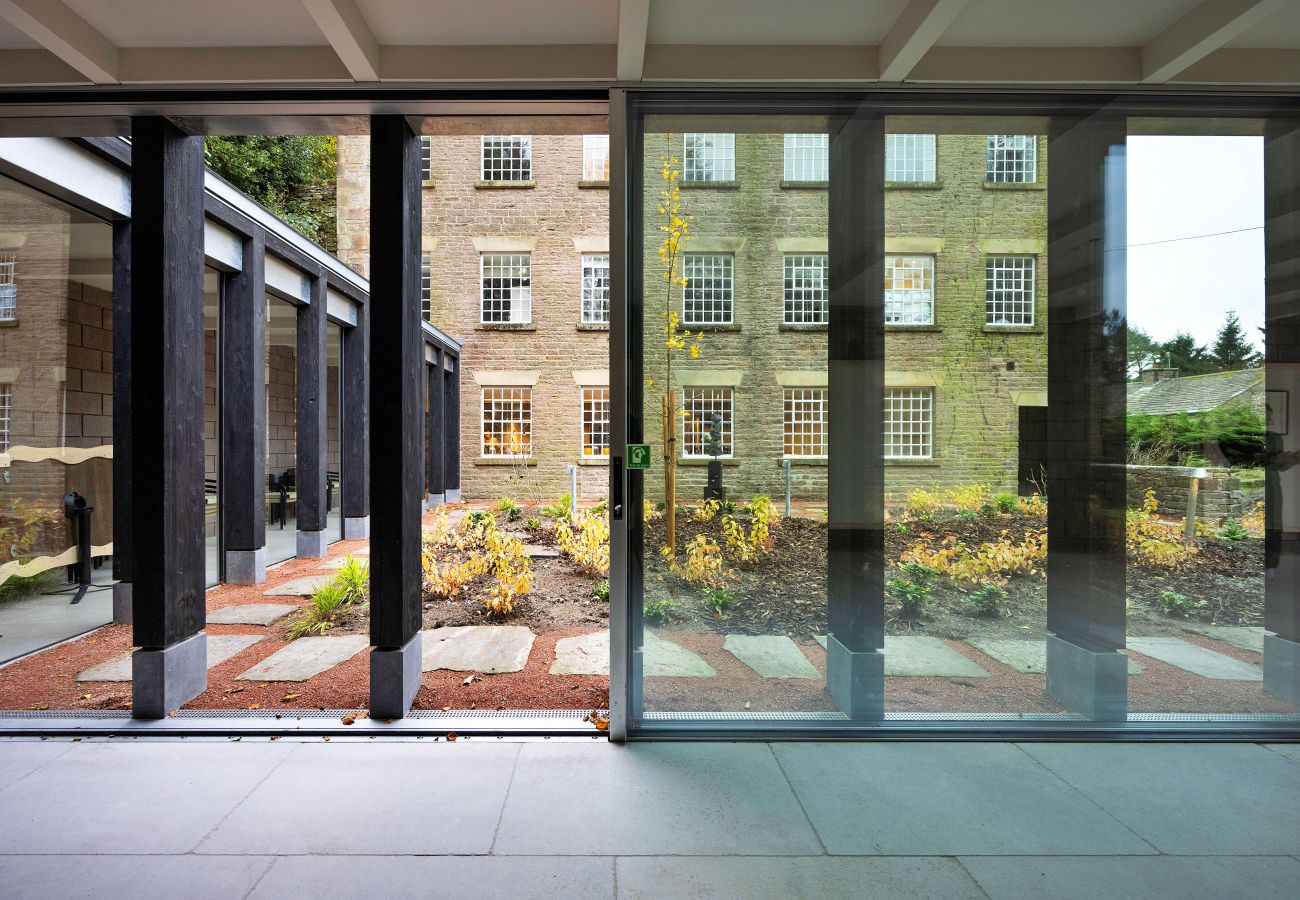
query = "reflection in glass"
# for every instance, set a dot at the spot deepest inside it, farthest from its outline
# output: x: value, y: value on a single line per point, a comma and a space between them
x: 281, y: 430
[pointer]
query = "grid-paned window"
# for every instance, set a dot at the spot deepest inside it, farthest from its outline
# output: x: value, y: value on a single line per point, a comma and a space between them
x: 806, y: 157
x: 595, y: 421
x: 709, y: 292
x: 507, y: 157
x: 806, y: 301
x: 507, y: 287
x: 805, y: 422
x: 1009, y: 290
x: 909, y: 290
x: 595, y: 289
x: 1012, y: 158
x: 699, y: 405
x: 709, y: 157
x: 909, y: 157
x: 507, y: 421
x: 426, y: 286
x: 6, y: 414
x: 595, y: 157
x: 909, y: 423
x: 8, y: 288
x: 426, y: 157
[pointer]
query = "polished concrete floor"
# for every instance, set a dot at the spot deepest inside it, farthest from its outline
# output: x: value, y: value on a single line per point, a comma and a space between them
x: 584, y: 818
x: 47, y: 618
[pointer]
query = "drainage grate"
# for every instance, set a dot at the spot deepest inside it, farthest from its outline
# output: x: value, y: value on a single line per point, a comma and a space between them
x: 577, y: 714
x: 64, y: 714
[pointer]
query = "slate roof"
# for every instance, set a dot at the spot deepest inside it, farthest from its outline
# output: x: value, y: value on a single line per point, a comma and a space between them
x: 1194, y: 393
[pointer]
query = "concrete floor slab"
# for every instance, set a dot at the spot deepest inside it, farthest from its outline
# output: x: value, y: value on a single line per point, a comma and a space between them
x: 770, y: 655
x: 586, y: 654
x: 1134, y: 877
x: 155, y: 877
x: 306, y: 657
x: 666, y: 659
x: 250, y: 613
x: 298, y: 587
x: 30, y: 623
x: 1027, y: 656
x: 1196, y: 659
x: 1247, y: 637
x: 221, y: 647
x: 489, y: 649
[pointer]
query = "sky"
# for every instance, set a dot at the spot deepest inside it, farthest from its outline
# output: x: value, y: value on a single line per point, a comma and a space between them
x: 1180, y: 188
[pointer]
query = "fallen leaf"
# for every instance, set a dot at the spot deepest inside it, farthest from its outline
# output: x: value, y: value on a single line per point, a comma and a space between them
x: 234, y: 690
x: 451, y: 735
x: 254, y: 706
x: 327, y: 739
x: 468, y: 680
x: 287, y: 697
x: 598, y: 719
x: 86, y: 696
x: 348, y: 720
x: 446, y: 709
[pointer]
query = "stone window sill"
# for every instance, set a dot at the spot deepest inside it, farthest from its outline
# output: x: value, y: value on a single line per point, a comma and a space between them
x: 9, y: 323
x: 593, y: 461
x: 804, y: 326
x: 901, y: 327
x: 429, y: 183
x: 734, y: 326
x: 504, y: 461
x: 1015, y: 329
x: 913, y: 185
x: 1015, y: 185
x: 504, y: 185
x: 805, y: 185
x: 703, y: 462
x: 587, y: 185
x: 709, y: 185
x: 914, y: 463
x: 505, y: 326
x: 593, y: 326
x: 816, y: 461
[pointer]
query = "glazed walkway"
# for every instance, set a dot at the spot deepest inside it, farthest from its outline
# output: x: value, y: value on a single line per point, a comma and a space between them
x: 584, y: 818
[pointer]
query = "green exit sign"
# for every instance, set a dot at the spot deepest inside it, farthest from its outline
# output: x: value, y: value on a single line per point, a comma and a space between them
x: 638, y: 456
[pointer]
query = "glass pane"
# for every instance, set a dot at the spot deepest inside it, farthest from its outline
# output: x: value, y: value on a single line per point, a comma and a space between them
x: 212, y: 426
x: 281, y: 430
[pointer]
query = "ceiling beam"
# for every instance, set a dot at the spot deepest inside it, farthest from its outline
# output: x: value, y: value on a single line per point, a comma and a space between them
x: 345, y: 28
x: 633, y: 23
x: 65, y: 34
x: 1199, y: 33
x: 914, y: 32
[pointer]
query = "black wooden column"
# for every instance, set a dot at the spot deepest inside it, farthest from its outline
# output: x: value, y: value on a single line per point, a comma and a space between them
x: 1085, y: 448
x: 1282, y: 362
x: 123, y: 545
x: 166, y: 445
x: 310, y: 443
x: 451, y: 433
x: 355, y: 410
x: 243, y: 417
x: 396, y: 416
x: 855, y: 661
x: 435, y: 447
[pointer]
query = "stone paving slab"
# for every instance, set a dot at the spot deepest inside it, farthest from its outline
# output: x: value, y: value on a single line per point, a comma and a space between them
x: 770, y: 655
x: 541, y: 551
x: 221, y: 647
x: 586, y: 654
x: 1195, y: 659
x: 250, y: 613
x: 298, y: 587
x: 666, y: 659
x: 924, y: 657
x: 306, y: 657
x: 1246, y: 637
x: 1027, y: 656
x: 489, y: 649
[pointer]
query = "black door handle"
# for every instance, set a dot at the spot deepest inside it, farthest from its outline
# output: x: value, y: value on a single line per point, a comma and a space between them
x: 616, y: 487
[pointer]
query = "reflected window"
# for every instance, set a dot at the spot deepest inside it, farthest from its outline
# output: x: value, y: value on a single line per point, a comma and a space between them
x: 507, y: 287
x: 595, y: 157
x: 6, y: 414
x: 909, y: 158
x: 806, y: 157
x: 508, y: 158
x: 507, y: 421
x: 709, y: 157
x: 1012, y: 158
x: 699, y: 406
x: 595, y: 421
x: 805, y: 289
x: 8, y: 288
x: 909, y: 423
x: 595, y: 289
x: 1009, y: 290
x: 708, y: 294
x: 805, y: 423
x: 426, y: 286
x: 426, y: 158
x: 909, y: 290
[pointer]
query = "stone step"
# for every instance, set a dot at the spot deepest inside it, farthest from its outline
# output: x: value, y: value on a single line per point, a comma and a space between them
x: 665, y: 659
x: 770, y: 655
x: 586, y: 654
x: 250, y: 613
x: 307, y: 657
x: 221, y: 647
x: 1028, y: 656
x: 490, y: 649
x: 299, y: 587
x: 1196, y: 659
x: 924, y: 657
x: 1247, y: 637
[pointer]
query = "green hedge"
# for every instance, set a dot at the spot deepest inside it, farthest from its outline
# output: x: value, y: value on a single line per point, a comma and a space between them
x: 1238, y: 431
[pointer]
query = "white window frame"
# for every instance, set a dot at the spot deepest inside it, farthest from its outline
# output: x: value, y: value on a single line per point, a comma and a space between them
x: 511, y: 304
x: 708, y: 156
x: 695, y: 426
x: 426, y: 158
x: 909, y: 305
x: 595, y: 157
x: 709, y: 295
x: 507, y: 157
x: 805, y: 291
x: 805, y: 406
x: 1011, y: 159
x: 595, y: 423
x: 499, y: 408
x: 6, y: 415
x: 807, y: 158
x: 910, y: 158
x: 1010, y: 290
x: 595, y: 288
x: 910, y: 406
x: 8, y: 287
x: 426, y: 285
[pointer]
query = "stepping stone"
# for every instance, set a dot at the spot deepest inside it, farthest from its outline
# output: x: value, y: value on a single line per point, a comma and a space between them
x: 250, y: 614
x: 306, y: 658
x: 540, y: 551
x: 1027, y: 656
x: 586, y: 654
x: 772, y: 656
x: 221, y: 647
x: 666, y: 659
x: 299, y: 587
x: 1195, y: 659
x: 489, y: 649
x: 924, y: 657
x: 1247, y: 637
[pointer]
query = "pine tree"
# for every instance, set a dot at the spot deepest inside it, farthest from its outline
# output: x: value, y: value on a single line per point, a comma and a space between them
x: 1231, y: 350
x: 1184, y: 354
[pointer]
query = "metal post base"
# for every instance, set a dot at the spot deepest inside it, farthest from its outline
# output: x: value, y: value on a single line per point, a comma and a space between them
x: 356, y: 528
x: 1282, y: 668
x: 167, y: 679
x: 395, y: 679
x: 246, y: 566
x: 312, y: 544
x: 855, y: 680
x: 1088, y: 681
